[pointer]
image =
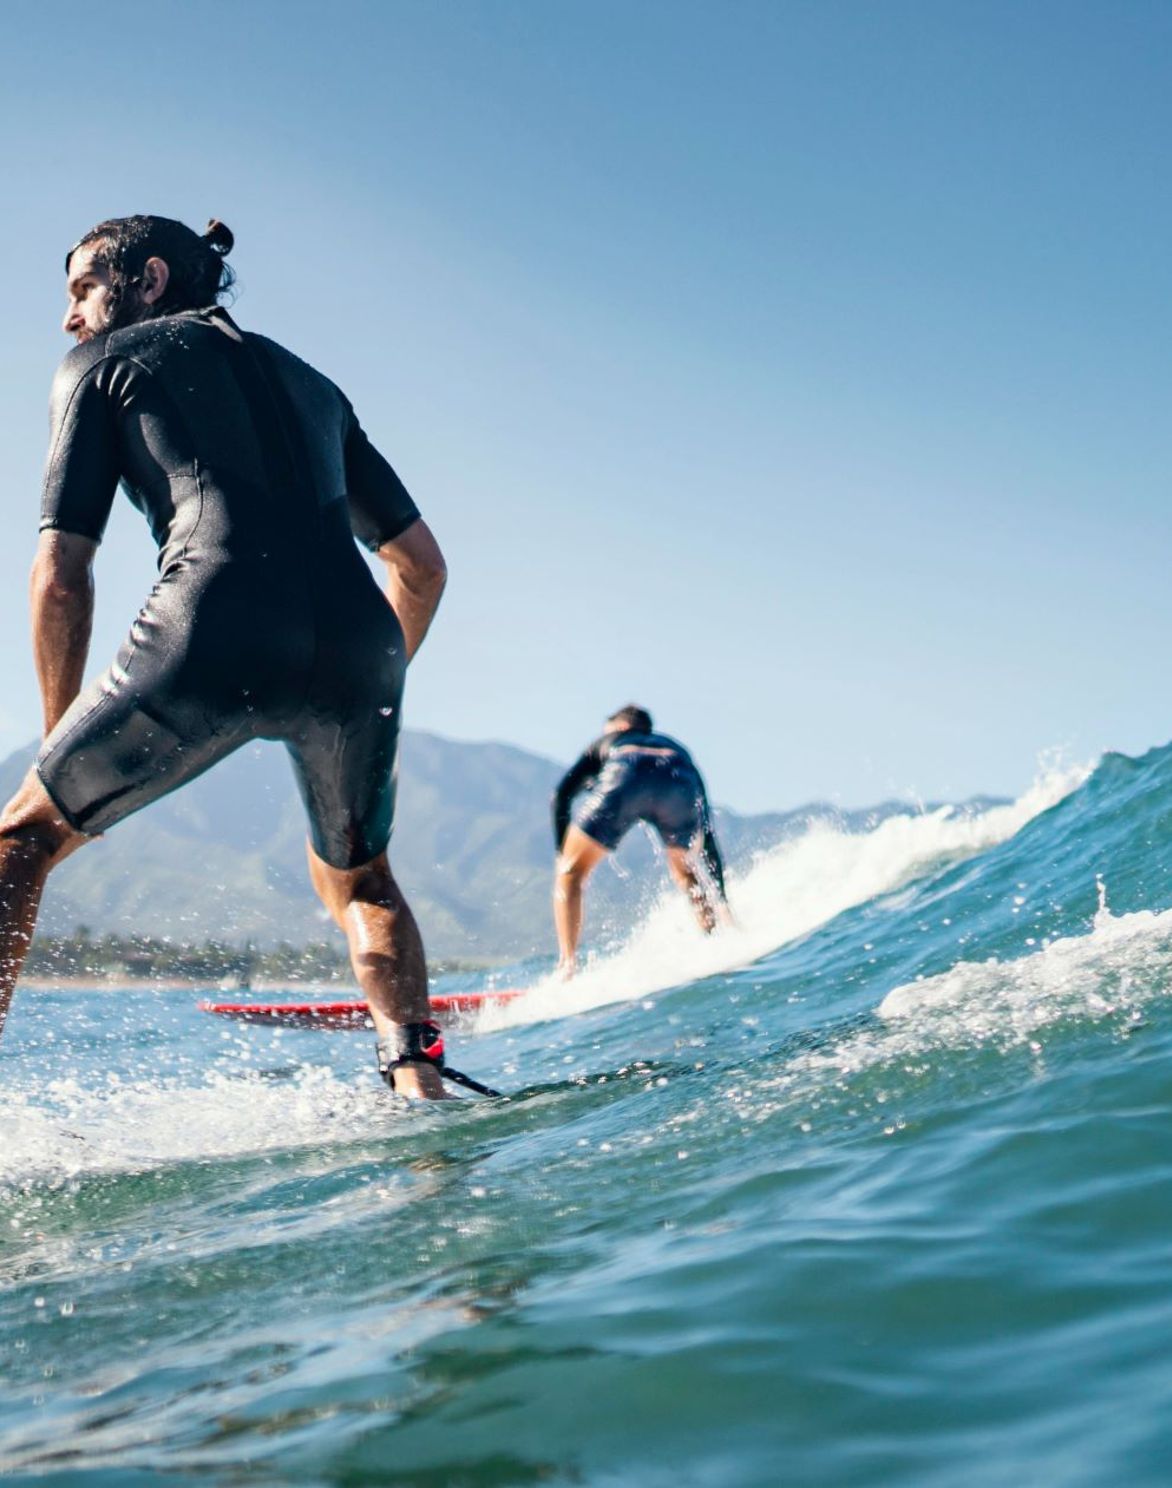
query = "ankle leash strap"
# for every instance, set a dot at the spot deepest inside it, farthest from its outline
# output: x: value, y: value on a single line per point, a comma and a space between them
x: 422, y: 1043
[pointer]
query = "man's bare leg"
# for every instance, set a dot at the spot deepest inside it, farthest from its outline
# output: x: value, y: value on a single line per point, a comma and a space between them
x: 33, y: 839
x: 681, y: 865
x: 579, y: 856
x: 386, y: 952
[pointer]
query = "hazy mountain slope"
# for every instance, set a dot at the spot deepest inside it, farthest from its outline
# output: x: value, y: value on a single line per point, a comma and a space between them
x: 224, y: 858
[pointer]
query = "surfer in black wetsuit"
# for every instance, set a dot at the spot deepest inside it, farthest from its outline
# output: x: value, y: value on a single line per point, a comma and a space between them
x: 632, y: 774
x: 265, y: 622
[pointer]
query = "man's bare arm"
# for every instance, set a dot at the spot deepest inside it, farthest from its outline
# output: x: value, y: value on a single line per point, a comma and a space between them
x: 416, y: 575
x: 61, y: 593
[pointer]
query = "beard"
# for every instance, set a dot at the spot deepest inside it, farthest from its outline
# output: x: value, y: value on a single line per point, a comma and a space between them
x: 124, y: 308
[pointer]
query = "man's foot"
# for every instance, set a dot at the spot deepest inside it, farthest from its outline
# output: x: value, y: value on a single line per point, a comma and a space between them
x: 411, y: 1061
x: 565, y: 969
x: 418, y: 1081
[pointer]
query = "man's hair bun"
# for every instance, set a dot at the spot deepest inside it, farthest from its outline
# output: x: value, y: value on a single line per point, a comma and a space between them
x: 218, y: 237
x: 199, y: 274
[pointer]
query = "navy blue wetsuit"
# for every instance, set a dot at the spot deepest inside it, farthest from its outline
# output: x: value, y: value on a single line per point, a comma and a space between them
x: 630, y: 776
x: 265, y: 622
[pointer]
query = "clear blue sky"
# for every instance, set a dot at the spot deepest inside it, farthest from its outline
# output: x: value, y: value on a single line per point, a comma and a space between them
x: 798, y: 369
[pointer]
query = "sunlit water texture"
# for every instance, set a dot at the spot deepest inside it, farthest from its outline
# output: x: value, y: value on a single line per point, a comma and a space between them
x: 873, y: 1189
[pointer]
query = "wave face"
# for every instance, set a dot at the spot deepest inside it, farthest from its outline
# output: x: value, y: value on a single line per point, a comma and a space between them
x: 873, y: 1189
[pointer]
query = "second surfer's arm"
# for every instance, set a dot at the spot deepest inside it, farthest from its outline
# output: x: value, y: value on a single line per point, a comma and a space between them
x: 581, y: 774
x: 713, y: 859
x: 710, y: 848
x: 61, y: 596
x: 416, y: 575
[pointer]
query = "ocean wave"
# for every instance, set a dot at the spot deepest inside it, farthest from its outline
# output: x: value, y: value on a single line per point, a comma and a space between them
x: 785, y: 894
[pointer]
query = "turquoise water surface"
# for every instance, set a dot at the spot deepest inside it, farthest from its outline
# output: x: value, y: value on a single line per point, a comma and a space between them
x: 875, y: 1189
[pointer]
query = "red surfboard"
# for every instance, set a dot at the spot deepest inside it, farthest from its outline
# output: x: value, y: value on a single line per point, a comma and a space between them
x: 323, y: 1015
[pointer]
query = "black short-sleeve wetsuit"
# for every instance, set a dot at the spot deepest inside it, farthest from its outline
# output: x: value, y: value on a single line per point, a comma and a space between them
x: 631, y: 775
x: 255, y: 477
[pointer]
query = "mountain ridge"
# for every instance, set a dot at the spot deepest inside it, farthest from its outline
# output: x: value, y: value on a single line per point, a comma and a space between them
x: 224, y: 858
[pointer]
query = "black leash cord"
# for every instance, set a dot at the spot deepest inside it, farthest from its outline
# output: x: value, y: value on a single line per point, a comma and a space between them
x: 460, y: 1079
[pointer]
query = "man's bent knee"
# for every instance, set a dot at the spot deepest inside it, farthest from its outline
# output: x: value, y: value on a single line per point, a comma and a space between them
x: 369, y: 883
x: 32, y: 826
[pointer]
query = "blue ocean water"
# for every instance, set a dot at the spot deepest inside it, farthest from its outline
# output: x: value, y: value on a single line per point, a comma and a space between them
x: 875, y: 1189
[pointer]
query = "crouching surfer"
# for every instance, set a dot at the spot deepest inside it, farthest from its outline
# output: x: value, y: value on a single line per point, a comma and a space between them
x: 256, y: 478
x: 627, y: 775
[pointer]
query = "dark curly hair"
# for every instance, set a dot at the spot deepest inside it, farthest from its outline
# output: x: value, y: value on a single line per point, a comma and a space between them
x: 199, y: 276
x: 633, y: 717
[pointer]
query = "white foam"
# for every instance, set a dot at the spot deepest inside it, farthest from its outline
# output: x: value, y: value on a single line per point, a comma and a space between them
x: 1122, y: 963
x: 783, y: 895
x: 71, y: 1127
x: 1111, y: 973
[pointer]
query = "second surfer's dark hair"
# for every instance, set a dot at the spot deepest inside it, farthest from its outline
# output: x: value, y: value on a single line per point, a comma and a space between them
x: 198, y: 273
x: 632, y: 717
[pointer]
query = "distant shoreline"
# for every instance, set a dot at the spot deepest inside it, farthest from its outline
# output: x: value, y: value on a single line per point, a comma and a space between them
x: 343, y: 987
x: 115, y: 983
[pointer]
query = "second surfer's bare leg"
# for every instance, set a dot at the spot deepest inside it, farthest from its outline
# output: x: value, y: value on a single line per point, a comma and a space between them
x: 33, y: 839
x: 578, y: 858
x: 386, y: 952
x: 682, y: 868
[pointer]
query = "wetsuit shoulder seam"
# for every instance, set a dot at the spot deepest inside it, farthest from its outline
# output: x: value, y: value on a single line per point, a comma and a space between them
x: 125, y: 356
x: 90, y: 369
